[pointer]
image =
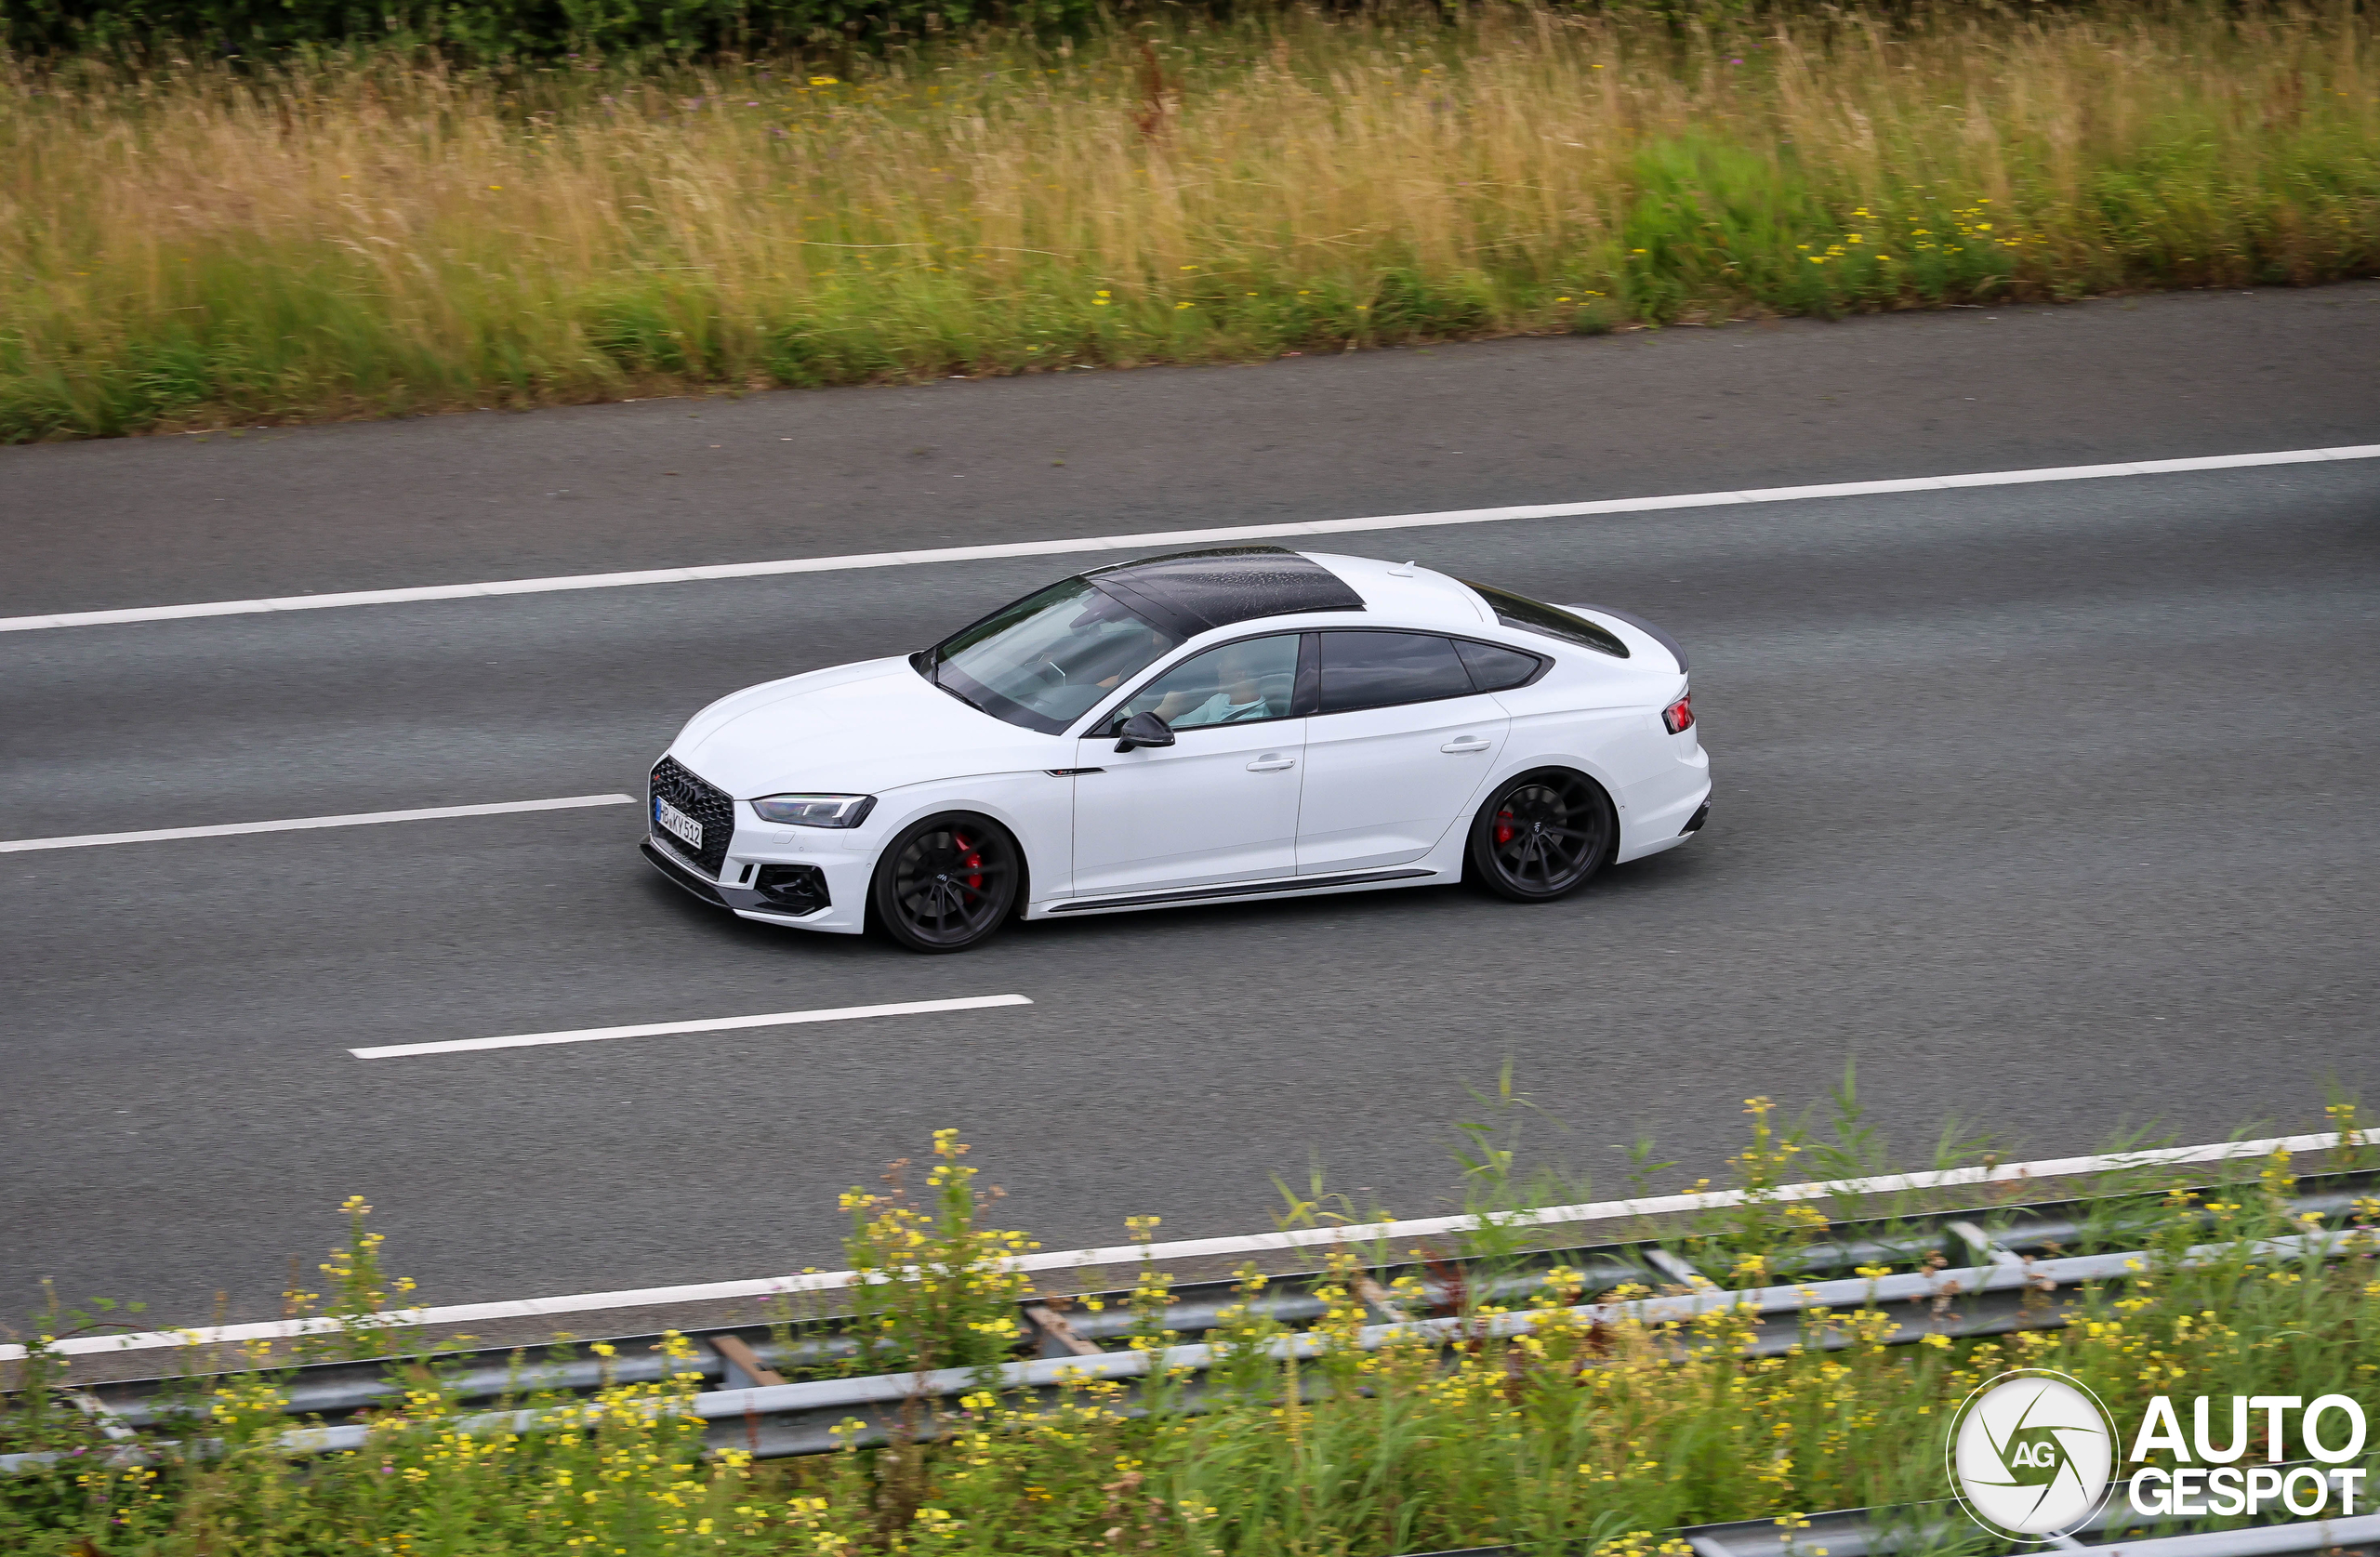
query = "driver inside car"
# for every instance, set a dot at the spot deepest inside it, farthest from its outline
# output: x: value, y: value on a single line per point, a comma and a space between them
x: 1238, y: 694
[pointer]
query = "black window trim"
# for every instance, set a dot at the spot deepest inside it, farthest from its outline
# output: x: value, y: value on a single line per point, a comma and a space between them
x: 1307, y: 699
x: 1309, y: 694
x: 1106, y: 725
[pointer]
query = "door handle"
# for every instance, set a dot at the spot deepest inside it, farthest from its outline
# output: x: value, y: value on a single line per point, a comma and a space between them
x: 1268, y: 763
x: 1467, y: 743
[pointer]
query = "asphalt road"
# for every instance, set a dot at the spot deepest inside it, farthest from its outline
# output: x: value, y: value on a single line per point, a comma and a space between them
x: 2053, y: 804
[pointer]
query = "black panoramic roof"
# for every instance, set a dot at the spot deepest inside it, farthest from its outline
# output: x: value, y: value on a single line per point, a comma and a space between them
x: 1188, y: 593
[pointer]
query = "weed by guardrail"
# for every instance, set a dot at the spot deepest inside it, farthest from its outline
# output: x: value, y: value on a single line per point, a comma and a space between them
x: 361, y: 1303
x: 1592, y: 1436
x: 929, y: 1287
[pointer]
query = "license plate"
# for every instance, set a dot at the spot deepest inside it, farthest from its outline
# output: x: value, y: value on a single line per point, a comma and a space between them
x: 669, y: 819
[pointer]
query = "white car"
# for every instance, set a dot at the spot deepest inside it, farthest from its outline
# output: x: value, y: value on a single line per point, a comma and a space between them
x: 1242, y: 723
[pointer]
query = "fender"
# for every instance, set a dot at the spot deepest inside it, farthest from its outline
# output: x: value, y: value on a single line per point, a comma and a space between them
x: 1035, y: 806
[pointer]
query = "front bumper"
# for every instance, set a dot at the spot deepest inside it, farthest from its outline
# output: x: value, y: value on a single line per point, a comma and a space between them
x: 775, y: 876
x: 694, y: 881
x: 841, y: 882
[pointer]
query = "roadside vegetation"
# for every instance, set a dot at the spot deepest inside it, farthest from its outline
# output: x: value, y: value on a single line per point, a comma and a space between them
x: 343, y: 230
x: 1581, y: 1438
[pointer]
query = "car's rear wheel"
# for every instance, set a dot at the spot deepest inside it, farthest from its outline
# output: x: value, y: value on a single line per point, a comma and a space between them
x: 1541, y: 834
x: 946, y: 882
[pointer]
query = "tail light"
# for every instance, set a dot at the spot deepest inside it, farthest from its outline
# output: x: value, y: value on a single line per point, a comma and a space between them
x: 1679, y: 716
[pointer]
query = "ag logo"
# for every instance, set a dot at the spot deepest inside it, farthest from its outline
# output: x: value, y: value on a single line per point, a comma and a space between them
x: 2032, y: 1454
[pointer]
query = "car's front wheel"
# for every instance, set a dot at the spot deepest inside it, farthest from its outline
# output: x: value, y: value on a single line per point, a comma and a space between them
x: 1541, y: 834
x: 946, y: 883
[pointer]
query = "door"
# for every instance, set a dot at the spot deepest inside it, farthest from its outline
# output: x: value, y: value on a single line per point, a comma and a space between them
x: 1397, y: 751
x: 1220, y: 804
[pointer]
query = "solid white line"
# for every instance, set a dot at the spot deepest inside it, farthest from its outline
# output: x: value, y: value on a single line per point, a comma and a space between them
x: 713, y: 1024
x: 300, y: 823
x: 1119, y: 1254
x: 1177, y: 537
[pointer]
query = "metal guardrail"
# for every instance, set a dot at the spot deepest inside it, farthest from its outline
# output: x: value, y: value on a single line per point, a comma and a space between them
x: 741, y: 1355
x: 2271, y: 1540
x: 817, y: 1417
x: 1917, y: 1526
x: 1981, y: 1176
x: 799, y: 1418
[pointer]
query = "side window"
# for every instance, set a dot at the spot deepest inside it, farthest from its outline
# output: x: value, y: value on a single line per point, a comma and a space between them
x: 1381, y: 669
x: 1235, y: 683
x: 1493, y: 668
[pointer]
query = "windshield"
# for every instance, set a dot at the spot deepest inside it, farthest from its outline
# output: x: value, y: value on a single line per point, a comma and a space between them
x: 1043, y: 661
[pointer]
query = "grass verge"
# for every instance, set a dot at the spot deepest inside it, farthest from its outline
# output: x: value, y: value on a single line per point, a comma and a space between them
x: 1574, y: 1438
x: 374, y: 232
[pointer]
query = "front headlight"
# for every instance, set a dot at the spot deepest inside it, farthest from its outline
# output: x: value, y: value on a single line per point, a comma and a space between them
x: 817, y: 810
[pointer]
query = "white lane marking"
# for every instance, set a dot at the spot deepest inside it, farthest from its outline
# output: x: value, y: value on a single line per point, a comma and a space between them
x: 1602, y: 1210
x: 1177, y: 537
x: 713, y: 1024
x: 301, y: 824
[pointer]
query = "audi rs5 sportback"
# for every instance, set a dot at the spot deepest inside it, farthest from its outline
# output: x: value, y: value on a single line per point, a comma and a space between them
x: 1239, y: 723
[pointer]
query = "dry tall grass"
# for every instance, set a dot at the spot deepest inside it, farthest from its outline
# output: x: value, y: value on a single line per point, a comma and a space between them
x: 377, y: 233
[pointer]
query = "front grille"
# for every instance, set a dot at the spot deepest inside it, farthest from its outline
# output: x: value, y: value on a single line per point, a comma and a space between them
x: 706, y: 804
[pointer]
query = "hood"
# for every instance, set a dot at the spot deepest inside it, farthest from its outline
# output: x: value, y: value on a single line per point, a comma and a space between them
x: 855, y: 729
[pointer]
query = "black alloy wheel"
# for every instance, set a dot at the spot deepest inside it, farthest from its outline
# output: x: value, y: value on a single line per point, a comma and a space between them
x: 1541, y: 834
x: 946, y: 883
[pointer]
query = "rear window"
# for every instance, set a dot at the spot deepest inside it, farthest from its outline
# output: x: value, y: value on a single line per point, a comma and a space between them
x: 1495, y: 668
x: 1519, y: 610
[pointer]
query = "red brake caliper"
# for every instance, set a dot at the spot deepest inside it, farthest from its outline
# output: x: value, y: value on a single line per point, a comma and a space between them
x: 974, y: 860
x: 1504, y: 828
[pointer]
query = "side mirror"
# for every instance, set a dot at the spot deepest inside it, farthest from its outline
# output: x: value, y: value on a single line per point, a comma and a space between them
x: 1145, y: 729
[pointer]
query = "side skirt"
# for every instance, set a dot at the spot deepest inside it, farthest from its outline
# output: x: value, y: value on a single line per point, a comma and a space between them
x: 1289, y: 885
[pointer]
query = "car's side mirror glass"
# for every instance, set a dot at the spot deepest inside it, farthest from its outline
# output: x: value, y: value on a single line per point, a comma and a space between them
x: 1145, y: 729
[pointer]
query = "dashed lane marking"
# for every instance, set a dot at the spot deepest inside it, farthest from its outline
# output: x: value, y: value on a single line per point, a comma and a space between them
x: 302, y: 824
x: 709, y: 1024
